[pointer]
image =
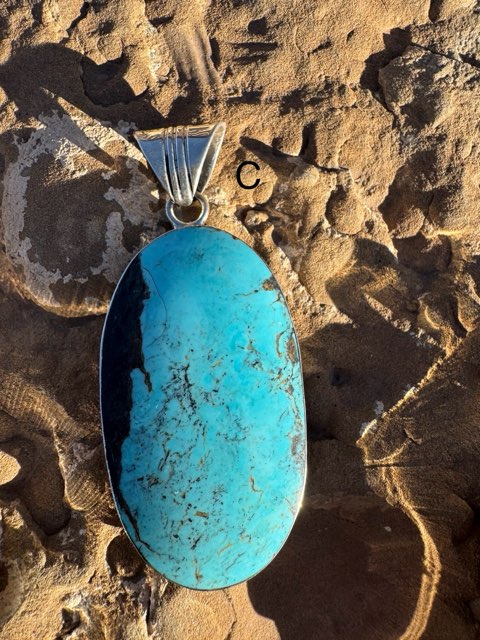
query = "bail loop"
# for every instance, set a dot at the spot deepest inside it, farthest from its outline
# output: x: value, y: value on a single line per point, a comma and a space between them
x: 200, y: 219
x: 183, y: 159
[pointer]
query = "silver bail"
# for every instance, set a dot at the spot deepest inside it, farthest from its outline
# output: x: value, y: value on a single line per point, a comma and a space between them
x: 182, y: 158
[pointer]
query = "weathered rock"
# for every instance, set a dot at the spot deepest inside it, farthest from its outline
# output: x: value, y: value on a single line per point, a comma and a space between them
x: 363, y: 121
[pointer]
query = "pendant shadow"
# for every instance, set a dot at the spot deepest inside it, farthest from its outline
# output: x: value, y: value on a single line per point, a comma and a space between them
x: 350, y: 569
x: 353, y: 565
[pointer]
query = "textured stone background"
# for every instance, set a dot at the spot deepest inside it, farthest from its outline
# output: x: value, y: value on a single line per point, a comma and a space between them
x: 364, y: 118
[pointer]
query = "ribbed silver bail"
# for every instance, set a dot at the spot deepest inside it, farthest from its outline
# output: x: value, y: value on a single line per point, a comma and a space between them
x: 182, y: 158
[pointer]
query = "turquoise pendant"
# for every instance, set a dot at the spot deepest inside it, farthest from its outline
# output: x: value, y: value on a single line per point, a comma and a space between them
x: 202, y: 408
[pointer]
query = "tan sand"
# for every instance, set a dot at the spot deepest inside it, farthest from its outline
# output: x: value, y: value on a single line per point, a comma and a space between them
x: 363, y: 117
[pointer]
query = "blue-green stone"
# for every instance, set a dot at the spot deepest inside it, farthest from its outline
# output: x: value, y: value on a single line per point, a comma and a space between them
x: 203, y: 408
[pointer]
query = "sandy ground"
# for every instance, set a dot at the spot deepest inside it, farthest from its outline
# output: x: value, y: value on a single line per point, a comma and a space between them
x: 363, y: 118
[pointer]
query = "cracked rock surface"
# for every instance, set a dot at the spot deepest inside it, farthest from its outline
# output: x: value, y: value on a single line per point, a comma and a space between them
x: 363, y: 118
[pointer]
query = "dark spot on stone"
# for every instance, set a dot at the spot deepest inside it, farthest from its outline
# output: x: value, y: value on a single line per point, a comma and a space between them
x: 326, y: 44
x: 37, y: 13
x: 70, y: 621
x: 158, y: 21
x: 258, y: 27
x: 196, y: 542
x: 3, y: 577
x: 215, y: 55
x: 106, y: 27
x: 277, y: 237
x: 339, y: 376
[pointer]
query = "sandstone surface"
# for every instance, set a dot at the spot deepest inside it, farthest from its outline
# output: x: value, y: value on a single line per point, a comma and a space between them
x: 364, y: 119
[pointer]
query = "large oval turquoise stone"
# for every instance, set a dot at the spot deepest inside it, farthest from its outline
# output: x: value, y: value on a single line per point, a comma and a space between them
x: 202, y: 408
